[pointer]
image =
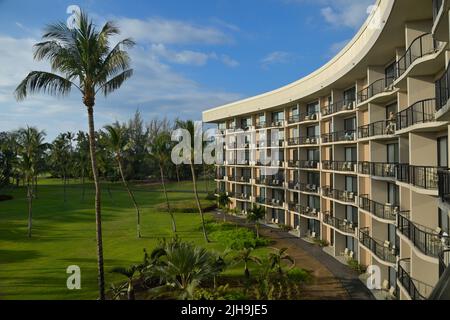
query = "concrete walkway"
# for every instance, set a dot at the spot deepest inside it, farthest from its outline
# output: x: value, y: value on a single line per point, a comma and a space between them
x: 332, y: 279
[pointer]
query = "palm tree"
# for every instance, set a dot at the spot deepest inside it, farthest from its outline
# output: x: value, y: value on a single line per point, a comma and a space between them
x: 255, y: 215
x: 183, y: 267
x: 60, y: 156
x: 190, y: 127
x: 245, y: 256
x: 31, y: 144
x: 81, y: 55
x: 82, y: 154
x: 276, y: 260
x: 160, y: 151
x: 224, y: 202
x: 117, y: 142
x: 129, y: 273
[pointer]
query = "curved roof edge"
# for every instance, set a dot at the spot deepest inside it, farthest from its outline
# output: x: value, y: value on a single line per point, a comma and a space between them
x: 347, y: 59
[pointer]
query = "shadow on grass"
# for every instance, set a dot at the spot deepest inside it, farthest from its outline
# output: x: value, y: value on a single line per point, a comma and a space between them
x: 17, y: 256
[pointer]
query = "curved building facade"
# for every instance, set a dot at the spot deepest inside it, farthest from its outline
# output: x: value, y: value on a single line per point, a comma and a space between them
x: 356, y: 153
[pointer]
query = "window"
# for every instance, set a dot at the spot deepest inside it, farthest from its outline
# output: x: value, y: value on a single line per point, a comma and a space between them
x: 350, y: 124
x: 393, y: 194
x: 392, y: 277
x: 351, y: 184
x: 294, y: 112
x: 313, y: 155
x: 350, y: 154
x: 313, y: 178
x: 312, y: 132
x: 392, y: 236
x: 351, y: 214
x: 349, y: 95
x: 350, y: 244
x: 442, y: 151
x: 245, y: 123
x: 392, y: 153
x: 330, y: 101
x: 222, y: 126
x: 314, y: 202
x: 312, y: 108
x: 261, y: 118
x: 295, y: 133
x: 391, y: 108
x: 444, y: 221
x: 389, y: 73
x: 278, y: 116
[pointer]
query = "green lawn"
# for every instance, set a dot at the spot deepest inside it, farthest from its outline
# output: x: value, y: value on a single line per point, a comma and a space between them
x: 64, y: 235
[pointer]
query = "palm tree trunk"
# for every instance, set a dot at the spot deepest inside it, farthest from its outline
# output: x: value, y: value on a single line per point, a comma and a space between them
x: 98, y: 212
x: 30, y: 206
x: 174, y: 226
x: 194, y: 182
x: 130, y: 193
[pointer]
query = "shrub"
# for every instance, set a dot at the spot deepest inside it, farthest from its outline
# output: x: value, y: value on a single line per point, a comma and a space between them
x: 235, y: 238
x: 285, y: 227
x: 211, y: 196
x: 354, y: 265
x: 299, y: 275
x: 322, y: 243
x: 187, y: 206
x: 5, y: 198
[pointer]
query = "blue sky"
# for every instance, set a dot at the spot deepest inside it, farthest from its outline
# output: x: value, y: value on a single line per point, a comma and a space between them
x: 190, y: 55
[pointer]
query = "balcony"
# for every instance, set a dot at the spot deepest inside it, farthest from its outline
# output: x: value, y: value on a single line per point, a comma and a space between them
x: 293, y: 163
x: 303, y: 187
x: 261, y: 200
x: 340, y: 106
x: 380, y: 86
x: 429, y: 242
x: 444, y: 261
x: 420, y: 112
x: 243, y: 179
x: 379, y: 128
x: 340, y: 195
x: 378, y: 169
x: 261, y: 125
x: 442, y: 90
x: 276, y: 203
x: 437, y: 6
x: 303, y: 117
x: 307, y: 211
x: 420, y: 47
x: 343, y: 166
x: 312, y: 140
x: 243, y: 196
x: 382, y: 211
x: 416, y: 289
x: 294, y: 141
x: 309, y: 164
x: 339, y: 136
x: 276, y: 124
x: 271, y: 182
x: 419, y: 176
x: 383, y: 251
x: 444, y: 185
x: 342, y: 225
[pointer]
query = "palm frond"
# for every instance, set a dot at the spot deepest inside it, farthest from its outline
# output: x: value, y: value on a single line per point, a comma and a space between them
x: 116, y: 82
x: 43, y: 82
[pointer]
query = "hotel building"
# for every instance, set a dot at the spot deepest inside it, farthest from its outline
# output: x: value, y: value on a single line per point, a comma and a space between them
x: 361, y: 154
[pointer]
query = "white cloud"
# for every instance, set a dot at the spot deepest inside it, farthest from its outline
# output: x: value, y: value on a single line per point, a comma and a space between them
x: 276, y: 57
x: 158, y: 30
x: 187, y: 57
x: 337, y: 47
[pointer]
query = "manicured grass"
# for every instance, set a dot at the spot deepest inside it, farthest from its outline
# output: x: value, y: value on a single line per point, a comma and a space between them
x: 64, y: 235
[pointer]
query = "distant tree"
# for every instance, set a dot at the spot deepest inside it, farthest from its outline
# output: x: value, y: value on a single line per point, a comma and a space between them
x: 255, y: 215
x: 245, y: 256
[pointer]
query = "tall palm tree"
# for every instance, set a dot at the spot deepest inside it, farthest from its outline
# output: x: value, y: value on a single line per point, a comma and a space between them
x: 117, y: 142
x: 190, y: 127
x: 31, y: 144
x: 224, y: 202
x: 255, y: 215
x: 81, y: 58
x: 245, y: 256
x: 160, y: 151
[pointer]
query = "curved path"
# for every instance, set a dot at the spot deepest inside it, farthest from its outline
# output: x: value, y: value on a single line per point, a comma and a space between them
x: 332, y: 279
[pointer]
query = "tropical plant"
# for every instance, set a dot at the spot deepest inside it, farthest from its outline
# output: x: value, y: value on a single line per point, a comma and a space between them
x: 255, y: 215
x: 224, y: 202
x: 189, y: 126
x: 129, y: 273
x: 82, y: 159
x: 117, y: 143
x: 246, y: 257
x: 60, y: 157
x: 160, y: 151
x: 277, y: 258
x: 182, y: 268
x: 81, y: 58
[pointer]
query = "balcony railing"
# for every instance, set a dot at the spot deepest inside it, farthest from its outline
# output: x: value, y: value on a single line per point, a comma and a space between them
x: 261, y: 125
x: 338, y: 107
x: 309, y: 187
x: 243, y: 196
x: 384, y: 251
x: 261, y: 200
x: 273, y: 182
x: 243, y: 179
x: 429, y: 242
x: 444, y: 261
x: 444, y: 185
x: 293, y: 163
x: 378, y: 169
x: 307, y: 211
x: 342, y: 225
x: 344, y: 166
x: 419, y: 176
x: 294, y: 141
x: 309, y: 164
x: 276, y: 123
x: 416, y: 290
x: 376, y: 87
x: 383, y: 211
x: 379, y: 128
x: 340, y: 136
x: 420, y: 112
x: 421, y: 46
x: 309, y: 140
x: 276, y: 202
x: 443, y: 90
x: 340, y: 195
